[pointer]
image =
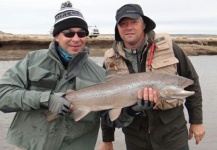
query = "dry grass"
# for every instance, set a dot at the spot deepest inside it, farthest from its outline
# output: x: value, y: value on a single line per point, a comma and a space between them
x: 16, y: 46
x: 49, y: 37
x: 6, y: 37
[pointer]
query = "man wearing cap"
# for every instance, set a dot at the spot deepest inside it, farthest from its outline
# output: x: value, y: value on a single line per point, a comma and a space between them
x: 137, y: 48
x: 34, y: 85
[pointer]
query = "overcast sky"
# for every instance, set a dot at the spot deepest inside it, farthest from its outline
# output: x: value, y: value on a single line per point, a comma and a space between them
x: 172, y: 16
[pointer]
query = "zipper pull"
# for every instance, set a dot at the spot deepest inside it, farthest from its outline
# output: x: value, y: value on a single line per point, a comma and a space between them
x: 151, y: 54
x: 66, y: 76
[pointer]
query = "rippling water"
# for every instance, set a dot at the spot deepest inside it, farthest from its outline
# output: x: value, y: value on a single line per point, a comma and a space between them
x: 206, y: 69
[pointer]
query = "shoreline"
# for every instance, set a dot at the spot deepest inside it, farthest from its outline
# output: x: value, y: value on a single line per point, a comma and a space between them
x: 15, y: 47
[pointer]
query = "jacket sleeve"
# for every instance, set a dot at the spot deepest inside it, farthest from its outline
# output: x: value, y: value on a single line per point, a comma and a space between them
x: 14, y: 93
x: 194, y: 102
x: 108, y: 127
x: 107, y: 132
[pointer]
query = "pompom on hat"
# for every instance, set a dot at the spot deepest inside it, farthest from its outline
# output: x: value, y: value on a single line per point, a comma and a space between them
x: 68, y: 17
x: 133, y: 11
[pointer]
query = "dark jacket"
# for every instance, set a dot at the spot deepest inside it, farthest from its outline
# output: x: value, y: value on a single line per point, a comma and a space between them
x: 163, y: 129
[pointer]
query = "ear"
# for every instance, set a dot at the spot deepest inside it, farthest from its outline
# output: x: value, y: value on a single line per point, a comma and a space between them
x: 56, y: 38
x: 144, y: 26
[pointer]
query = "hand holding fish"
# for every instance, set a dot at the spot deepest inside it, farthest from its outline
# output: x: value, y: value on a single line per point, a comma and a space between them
x: 146, y: 101
x: 150, y: 94
x: 58, y: 105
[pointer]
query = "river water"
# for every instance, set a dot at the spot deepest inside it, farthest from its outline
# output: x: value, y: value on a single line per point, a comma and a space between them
x: 205, y: 67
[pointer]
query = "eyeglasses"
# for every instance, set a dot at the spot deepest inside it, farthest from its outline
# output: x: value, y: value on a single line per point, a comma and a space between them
x: 70, y: 34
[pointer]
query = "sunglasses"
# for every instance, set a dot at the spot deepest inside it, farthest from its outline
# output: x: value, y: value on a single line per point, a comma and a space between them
x: 71, y: 34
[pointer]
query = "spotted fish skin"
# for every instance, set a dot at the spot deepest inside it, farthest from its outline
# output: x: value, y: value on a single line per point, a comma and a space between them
x: 122, y: 92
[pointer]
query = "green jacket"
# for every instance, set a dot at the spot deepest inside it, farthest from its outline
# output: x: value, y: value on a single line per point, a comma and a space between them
x: 29, y: 83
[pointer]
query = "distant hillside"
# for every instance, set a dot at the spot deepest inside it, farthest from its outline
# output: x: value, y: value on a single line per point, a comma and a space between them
x: 1, y: 32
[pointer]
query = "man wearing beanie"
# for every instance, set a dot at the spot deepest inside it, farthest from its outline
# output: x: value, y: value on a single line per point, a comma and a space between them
x: 137, y: 48
x: 34, y: 85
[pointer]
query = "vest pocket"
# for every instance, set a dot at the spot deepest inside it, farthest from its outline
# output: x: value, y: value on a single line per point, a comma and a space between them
x: 164, y: 62
x: 116, y: 66
x: 167, y: 65
x: 162, y: 45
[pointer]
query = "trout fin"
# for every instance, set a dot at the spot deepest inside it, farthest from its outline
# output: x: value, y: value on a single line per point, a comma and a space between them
x: 79, y: 113
x: 114, y: 113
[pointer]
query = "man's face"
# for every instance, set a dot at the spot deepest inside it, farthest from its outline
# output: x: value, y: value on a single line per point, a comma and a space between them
x: 131, y: 30
x: 72, y: 40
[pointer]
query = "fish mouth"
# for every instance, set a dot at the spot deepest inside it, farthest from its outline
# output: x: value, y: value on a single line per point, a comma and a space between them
x: 182, y: 94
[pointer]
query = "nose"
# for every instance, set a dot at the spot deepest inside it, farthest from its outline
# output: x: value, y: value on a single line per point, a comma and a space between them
x: 129, y: 26
x: 75, y: 37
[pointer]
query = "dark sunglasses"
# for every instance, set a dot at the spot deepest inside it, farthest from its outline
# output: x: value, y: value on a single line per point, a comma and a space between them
x: 70, y: 34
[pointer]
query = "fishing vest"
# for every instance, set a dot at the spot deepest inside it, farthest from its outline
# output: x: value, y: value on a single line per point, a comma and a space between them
x: 163, y: 61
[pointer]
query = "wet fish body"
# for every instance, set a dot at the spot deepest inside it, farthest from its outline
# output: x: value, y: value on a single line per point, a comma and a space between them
x: 122, y: 92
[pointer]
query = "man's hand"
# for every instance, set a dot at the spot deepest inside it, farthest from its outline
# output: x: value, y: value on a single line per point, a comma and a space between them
x: 59, y: 105
x: 198, y: 131
x: 146, y: 100
x: 106, y: 146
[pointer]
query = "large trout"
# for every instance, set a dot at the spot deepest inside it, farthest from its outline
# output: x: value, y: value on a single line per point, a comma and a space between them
x: 122, y: 92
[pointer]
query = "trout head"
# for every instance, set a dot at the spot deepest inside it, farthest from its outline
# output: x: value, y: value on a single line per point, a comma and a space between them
x: 174, y: 88
x: 174, y: 92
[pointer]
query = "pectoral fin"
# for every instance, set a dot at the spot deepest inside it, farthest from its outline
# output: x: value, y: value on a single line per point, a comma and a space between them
x: 79, y: 113
x: 114, y: 113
